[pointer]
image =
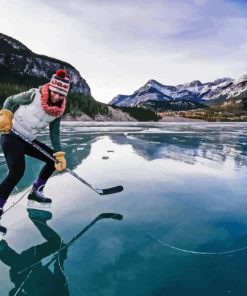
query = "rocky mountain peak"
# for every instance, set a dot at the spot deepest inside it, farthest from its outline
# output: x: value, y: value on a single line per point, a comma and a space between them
x: 152, y: 82
x: 18, y: 64
x: 194, y: 83
x: 242, y: 79
x: 222, y: 80
x: 11, y: 44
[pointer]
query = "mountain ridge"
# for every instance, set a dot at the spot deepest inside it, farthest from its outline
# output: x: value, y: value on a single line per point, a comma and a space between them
x: 209, y: 93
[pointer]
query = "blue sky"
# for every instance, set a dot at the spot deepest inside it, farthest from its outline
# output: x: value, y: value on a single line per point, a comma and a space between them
x: 119, y: 45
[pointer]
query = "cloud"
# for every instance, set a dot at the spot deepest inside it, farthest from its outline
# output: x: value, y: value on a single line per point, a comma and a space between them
x: 199, y: 2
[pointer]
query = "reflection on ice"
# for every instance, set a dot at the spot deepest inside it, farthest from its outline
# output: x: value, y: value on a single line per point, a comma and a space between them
x: 186, y: 148
x: 42, y: 266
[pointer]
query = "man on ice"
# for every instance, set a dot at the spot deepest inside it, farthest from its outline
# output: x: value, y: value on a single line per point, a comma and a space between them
x: 36, y: 109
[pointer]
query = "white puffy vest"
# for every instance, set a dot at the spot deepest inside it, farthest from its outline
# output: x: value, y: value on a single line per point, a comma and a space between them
x: 30, y: 119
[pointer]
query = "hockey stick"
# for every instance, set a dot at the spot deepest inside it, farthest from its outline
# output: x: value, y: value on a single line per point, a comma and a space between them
x: 104, y: 191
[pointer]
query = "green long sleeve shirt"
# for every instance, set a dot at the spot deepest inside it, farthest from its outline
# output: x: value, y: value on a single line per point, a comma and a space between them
x: 25, y: 98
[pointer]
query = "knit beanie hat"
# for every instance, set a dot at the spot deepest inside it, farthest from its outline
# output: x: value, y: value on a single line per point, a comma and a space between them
x: 59, y: 82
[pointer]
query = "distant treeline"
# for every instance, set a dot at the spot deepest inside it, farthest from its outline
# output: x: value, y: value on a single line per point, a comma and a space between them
x: 140, y: 113
x: 175, y: 105
x: 77, y: 103
x: 7, y: 90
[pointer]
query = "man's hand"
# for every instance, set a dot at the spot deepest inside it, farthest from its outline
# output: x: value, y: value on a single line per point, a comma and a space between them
x: 61, y: 166
x: 6, y: 117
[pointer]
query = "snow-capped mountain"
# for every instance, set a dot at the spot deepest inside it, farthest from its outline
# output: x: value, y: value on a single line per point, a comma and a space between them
x: 208, y: 93
x: 18, y: 64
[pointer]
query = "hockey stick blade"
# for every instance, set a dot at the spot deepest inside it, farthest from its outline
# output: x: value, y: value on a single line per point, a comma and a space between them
x: 114, y: 216
x: 111, y: 190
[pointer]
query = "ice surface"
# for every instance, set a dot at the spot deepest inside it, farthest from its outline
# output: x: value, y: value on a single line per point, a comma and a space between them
x: 184, y: 186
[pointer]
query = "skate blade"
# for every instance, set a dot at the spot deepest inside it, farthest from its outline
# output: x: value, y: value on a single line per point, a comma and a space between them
x: 3, y: 231
x: 2, y: 235
x: 37, y: 205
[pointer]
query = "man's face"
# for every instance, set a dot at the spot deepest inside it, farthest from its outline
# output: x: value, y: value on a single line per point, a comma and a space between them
x: 56, y: 97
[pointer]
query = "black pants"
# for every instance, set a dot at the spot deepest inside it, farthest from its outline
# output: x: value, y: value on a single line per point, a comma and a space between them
x: 14, y: 149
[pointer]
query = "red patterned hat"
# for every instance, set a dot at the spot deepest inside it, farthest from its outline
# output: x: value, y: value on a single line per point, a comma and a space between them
x: 60, y: 82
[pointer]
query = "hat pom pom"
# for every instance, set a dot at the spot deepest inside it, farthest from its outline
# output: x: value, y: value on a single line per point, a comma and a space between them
x: 61, y: 73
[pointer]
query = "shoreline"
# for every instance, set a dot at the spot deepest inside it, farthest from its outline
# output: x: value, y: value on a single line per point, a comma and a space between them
x: 164, y: 119
x: 179, y: 119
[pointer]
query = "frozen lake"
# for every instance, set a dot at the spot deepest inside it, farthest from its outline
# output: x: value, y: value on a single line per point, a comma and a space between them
x: 178, y: 228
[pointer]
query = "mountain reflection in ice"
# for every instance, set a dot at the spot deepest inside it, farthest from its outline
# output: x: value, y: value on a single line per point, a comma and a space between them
x: 186, y: 148
x: 189, y: 142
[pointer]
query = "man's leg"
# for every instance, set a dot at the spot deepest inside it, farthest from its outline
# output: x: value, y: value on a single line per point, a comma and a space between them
x: 37, y: 193
x: 48, y: 168
x: 13, y: 150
